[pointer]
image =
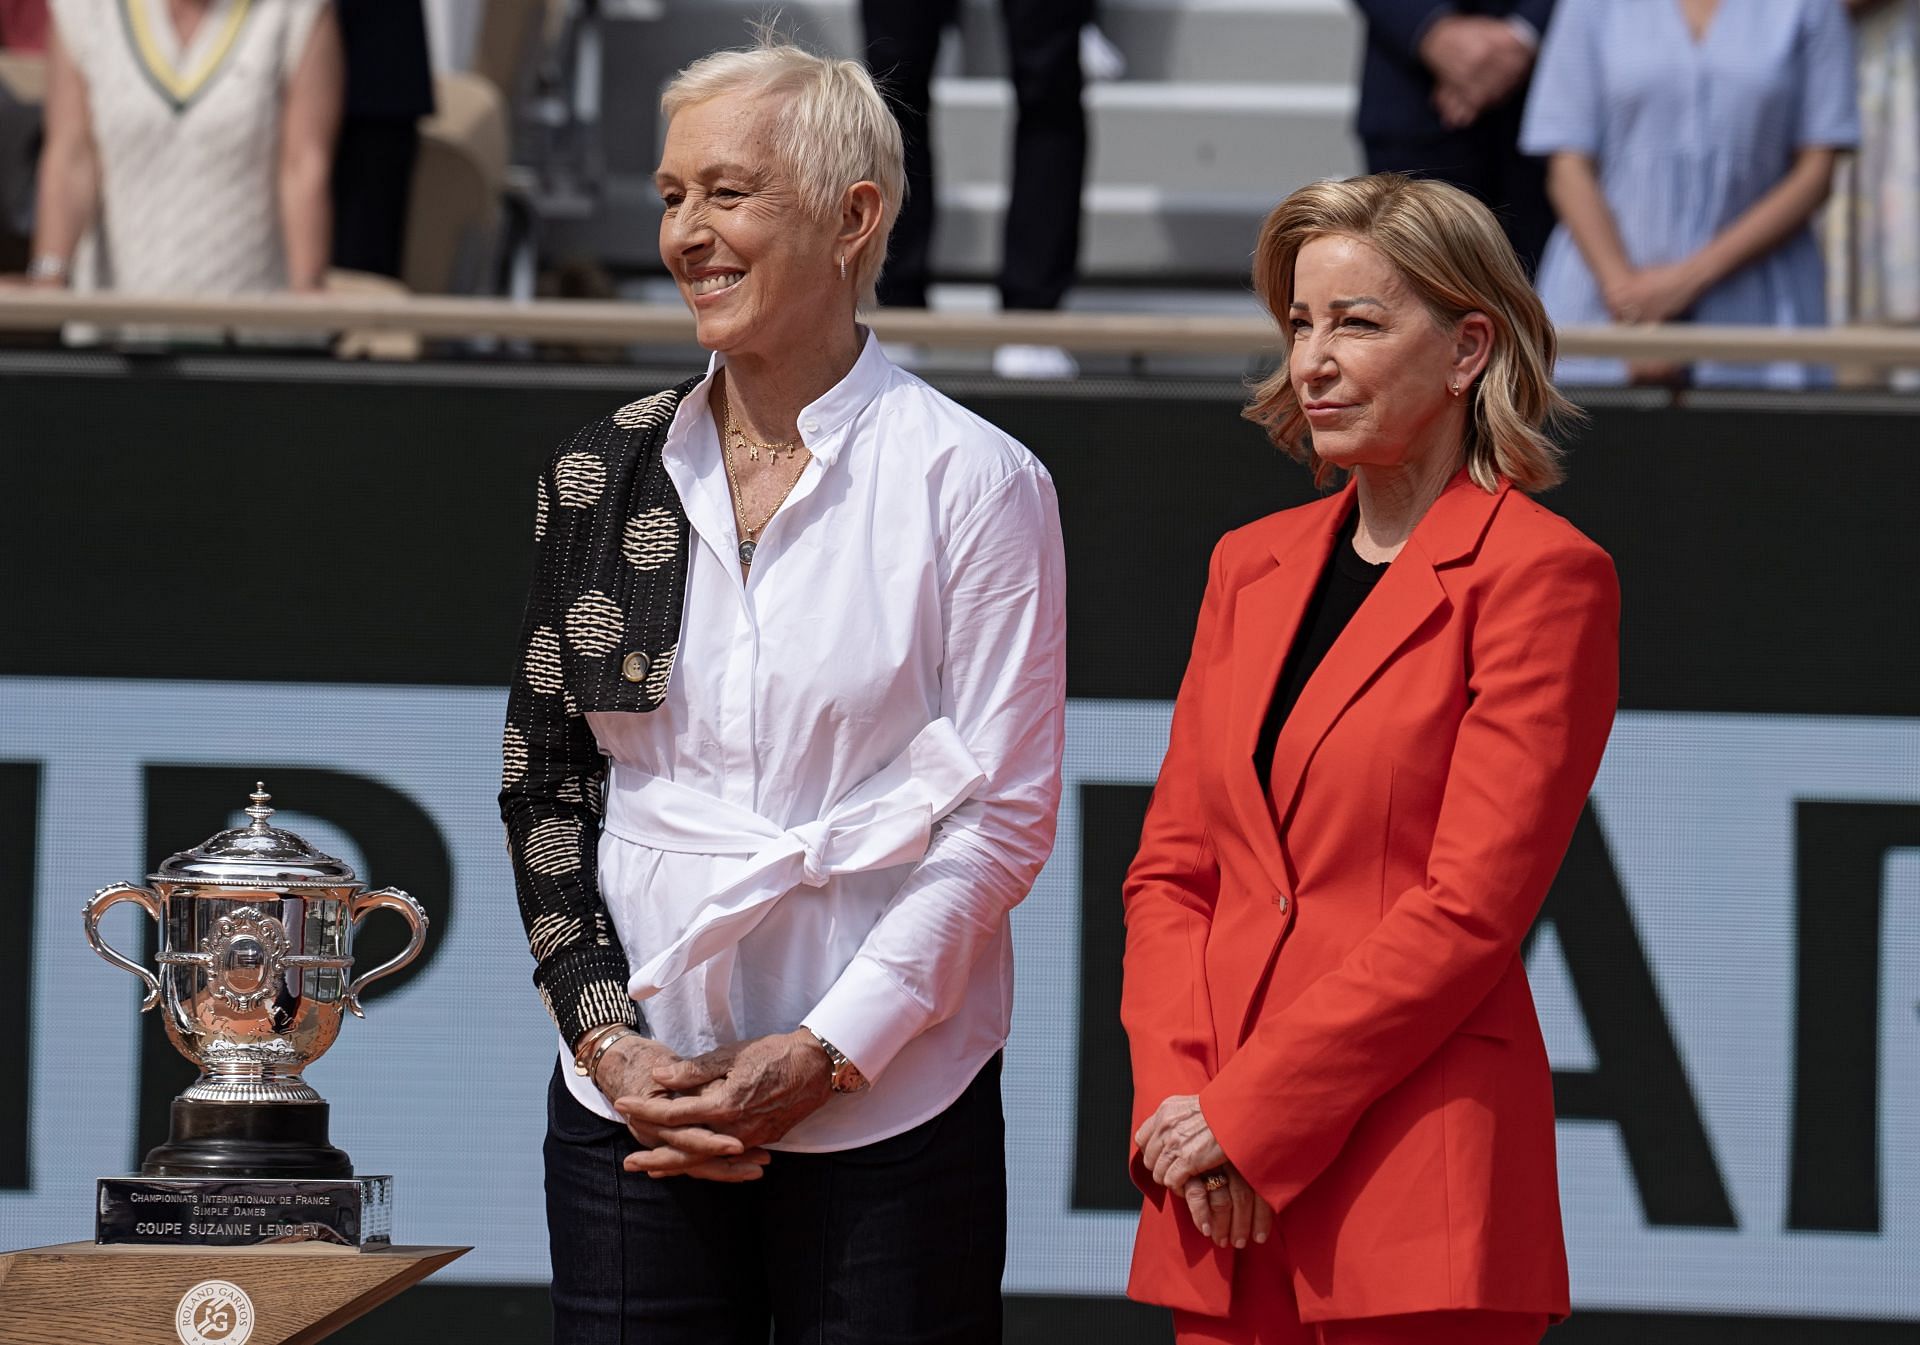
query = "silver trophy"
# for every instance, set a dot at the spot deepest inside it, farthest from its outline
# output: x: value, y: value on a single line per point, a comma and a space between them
x: 255, y: 967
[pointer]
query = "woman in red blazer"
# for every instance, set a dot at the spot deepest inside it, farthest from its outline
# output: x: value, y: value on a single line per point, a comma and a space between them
x: 1397, y: 700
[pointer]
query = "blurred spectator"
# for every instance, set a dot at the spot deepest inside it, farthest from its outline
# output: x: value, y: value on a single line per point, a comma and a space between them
x: 1441, y: 90
x: 197, y: 135
x: 1041, y: 247
x: 1873, y: 223
x: 23, y: 25
x: 1691, y: 142
x: 389, y: 89
x: 23, y: 37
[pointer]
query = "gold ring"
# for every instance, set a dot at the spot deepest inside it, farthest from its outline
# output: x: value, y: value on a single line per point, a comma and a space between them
x: 1215, y: 1180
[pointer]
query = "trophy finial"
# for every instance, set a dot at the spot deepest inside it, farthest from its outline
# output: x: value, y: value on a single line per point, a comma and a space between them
x: 259, y: 812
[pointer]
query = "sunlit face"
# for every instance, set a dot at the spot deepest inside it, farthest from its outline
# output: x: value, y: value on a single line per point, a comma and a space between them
x: 758, y: 271
x: 1369, y: 363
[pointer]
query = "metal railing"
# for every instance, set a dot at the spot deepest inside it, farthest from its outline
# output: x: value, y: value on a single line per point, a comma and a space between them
x: 586, y: 322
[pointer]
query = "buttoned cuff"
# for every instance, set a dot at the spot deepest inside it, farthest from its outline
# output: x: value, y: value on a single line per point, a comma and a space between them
x: 867, y: 1016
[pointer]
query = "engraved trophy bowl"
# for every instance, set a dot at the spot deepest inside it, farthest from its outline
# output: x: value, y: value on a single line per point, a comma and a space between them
x: 255, y: 967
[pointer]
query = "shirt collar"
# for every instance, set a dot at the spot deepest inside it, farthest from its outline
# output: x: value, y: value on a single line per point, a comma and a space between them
x: 821, y: 420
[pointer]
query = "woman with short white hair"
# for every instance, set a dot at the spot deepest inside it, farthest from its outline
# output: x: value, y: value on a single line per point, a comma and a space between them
x: 810, y: 611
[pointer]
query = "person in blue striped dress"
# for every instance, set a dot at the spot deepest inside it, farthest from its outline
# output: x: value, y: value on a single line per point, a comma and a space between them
x: 1690, y: 144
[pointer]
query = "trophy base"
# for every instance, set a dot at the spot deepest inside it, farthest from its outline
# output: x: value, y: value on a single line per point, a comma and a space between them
x: 243, y: 1211
x: 247, y: 1139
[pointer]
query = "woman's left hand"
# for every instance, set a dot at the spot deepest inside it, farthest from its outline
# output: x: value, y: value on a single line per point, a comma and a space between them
x: 1229, y: 1214
x: 754, y: 1090
x: 1177, y: 1144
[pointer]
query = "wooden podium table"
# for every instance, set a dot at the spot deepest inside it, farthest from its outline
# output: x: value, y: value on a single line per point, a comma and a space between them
x: 78, y: 1293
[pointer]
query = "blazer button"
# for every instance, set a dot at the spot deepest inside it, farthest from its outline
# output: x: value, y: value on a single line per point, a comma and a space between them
x: 1280, y: 901
x: 634, y: 666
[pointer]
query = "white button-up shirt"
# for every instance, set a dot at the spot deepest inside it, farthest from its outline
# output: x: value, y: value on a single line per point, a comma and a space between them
x: 854, y: 776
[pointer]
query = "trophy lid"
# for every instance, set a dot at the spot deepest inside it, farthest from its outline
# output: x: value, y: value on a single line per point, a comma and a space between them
x: 256, y: 856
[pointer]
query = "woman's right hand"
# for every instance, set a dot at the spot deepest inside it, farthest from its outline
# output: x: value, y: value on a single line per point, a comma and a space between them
x: 1231, y: 1214
x: 625, y: 1074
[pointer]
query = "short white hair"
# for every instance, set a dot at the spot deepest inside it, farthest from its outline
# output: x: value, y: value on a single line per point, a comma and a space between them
x: 834, y: 128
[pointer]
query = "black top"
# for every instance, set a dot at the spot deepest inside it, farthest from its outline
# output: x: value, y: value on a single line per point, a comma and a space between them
x: 1344, y: 585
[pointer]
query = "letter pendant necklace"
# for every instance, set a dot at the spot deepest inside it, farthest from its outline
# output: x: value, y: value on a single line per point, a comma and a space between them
x: 750, y: 534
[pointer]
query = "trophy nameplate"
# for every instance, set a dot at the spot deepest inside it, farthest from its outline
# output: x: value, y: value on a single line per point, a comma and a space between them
x: 243, y: 1211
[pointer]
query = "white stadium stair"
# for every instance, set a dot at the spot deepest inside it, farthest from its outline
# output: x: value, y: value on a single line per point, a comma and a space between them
x: 1226, y: 105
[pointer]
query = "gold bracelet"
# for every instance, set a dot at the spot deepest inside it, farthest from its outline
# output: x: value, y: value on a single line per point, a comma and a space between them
x: 592, y: 1035
x: 594, y: 1045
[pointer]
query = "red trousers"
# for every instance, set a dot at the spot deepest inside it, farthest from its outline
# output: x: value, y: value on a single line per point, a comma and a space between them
x: 1264, y: 1313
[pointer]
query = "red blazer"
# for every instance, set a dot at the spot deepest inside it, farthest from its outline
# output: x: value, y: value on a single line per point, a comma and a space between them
x: 1345, y: 992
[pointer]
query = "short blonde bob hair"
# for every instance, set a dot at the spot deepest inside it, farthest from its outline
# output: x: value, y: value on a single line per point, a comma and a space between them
x: 1451, y: 253
x: 834, y: 128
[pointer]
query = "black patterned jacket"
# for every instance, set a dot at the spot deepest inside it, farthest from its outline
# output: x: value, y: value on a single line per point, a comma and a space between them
x: 611, y: 545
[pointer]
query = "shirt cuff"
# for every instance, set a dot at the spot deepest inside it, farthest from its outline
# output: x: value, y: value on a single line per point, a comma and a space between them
x: 867, y: 1017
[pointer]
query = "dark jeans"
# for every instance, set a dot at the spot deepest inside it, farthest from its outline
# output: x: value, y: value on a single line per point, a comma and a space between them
x: 1484, y: 159
x: 902, y: 1241
x: 1041, y: 247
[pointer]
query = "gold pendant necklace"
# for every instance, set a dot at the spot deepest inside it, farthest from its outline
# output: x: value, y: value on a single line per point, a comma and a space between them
x: 749, y: 536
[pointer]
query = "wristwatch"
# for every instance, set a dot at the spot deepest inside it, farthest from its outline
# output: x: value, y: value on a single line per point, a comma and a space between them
x: 847, y: 1077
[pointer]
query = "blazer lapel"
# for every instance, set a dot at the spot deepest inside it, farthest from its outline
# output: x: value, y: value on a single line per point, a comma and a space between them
x: 1408, y: 594
x: 1267, y: 614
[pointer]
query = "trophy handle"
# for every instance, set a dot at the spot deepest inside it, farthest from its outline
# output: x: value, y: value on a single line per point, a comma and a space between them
x: 112, y: 896
x: 392, y: 899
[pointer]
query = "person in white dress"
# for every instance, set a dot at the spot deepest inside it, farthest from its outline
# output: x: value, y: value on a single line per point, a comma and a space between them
x: 189, y: 145
x: 797, y: 630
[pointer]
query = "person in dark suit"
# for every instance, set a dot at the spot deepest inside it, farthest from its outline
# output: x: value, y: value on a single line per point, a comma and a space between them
x: 1042, y: 243
x: 389, y: 89
x: 1441, y: 92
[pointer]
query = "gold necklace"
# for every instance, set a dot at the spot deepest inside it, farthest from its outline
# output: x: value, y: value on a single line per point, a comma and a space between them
x: 749, y: 536
x: 736, y: 435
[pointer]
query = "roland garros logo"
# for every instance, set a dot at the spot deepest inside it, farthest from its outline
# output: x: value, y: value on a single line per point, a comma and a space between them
x: 214, y: 1312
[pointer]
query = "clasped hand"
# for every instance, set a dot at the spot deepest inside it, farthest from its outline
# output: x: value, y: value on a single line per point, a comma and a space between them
x: 709, y: 1116
x: 1477, y: 62
x: 1652, y: 293
x: 1178, y: 1146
